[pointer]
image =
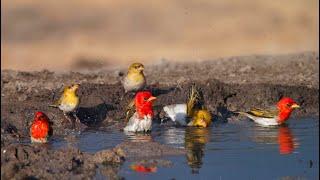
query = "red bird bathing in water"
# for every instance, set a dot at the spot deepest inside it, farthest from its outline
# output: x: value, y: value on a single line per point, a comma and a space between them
x: 141, y: 116
x: 273, y: 116
x: 39, y: 130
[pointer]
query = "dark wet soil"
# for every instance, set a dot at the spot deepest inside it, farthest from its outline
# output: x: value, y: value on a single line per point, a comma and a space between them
x: 236, y: 83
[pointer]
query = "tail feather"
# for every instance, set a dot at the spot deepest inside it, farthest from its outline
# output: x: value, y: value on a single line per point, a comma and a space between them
x: 239, y: 112
x: 53, y: 105
x: 195, y: 100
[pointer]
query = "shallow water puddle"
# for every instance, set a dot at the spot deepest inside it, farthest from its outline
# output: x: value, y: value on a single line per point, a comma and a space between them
x: 224, y: 151
x: 91, y: 140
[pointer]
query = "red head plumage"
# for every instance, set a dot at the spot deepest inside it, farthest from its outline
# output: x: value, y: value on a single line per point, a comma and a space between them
x: 286, y: 105
x: 40, y: 126
x: 143, y: 103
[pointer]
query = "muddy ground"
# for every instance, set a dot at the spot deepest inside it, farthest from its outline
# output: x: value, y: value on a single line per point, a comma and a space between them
x: 229, y: 84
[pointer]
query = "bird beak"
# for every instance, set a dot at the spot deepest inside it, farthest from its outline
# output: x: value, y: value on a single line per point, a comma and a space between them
x: 141, y: 68
x: 295, y: 106
x: 152, y: 98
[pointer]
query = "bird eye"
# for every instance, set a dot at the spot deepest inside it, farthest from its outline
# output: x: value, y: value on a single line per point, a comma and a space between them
x: 145, y: 98
x: 289, y: 105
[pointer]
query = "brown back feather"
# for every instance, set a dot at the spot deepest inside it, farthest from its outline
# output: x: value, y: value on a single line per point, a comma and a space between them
x: 130, y: 110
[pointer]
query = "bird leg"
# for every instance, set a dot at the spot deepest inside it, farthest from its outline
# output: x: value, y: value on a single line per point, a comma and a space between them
x: 76, y: 117
x: 66, y: 115
x: 79, y: 125
x: 69, y: 118
x: 123, y: 95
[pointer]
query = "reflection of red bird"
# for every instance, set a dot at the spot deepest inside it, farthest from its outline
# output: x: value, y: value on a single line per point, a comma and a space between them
x: 285, y: 140
x: 275, y: 115
x: 144, y: 169
x: 141, y: 116
x: 39, y: 130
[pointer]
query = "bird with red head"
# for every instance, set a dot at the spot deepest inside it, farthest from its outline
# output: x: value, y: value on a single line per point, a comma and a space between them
x: 39, y: 130
x: 275, y: 115
x: 142, y: 114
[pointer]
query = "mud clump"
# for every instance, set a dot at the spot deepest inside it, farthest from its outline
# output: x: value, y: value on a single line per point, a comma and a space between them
x: 38, y: 161
x: 25, y: 161
x: 109, y: 156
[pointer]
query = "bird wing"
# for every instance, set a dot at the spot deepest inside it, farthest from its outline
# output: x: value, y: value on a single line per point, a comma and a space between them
x: 56, y: 103
x: 59, y: 101
x: 195, y: 100
x: 265, y: 113
x: 130, y: 110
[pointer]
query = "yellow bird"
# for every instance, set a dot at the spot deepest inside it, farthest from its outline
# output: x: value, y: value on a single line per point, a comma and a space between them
x: 193, y: 113
x: 69, y: 101
x: 201, y: 118
x: 135, y: 79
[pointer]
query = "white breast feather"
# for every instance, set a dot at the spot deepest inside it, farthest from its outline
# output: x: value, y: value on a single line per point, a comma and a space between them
x: 67, y: 107
x: 138, y: 125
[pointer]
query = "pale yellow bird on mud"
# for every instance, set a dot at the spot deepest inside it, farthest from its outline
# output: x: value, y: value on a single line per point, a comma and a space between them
x: 134, y: 80
x: 69, y: 102
x: 192, y: 113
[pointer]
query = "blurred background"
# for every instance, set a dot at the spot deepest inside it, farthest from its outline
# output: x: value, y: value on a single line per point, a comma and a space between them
x: 77, y: 34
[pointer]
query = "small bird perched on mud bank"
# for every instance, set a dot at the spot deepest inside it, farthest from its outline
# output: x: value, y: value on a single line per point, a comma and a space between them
x: 135, y: 79
x: 273, y: 116
x: 69, y: 102
x: 193, y: 113
x: 140, y: 113
x: 39, y: 130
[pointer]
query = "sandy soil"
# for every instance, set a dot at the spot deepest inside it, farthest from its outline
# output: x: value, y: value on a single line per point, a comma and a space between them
x: 235, y: 83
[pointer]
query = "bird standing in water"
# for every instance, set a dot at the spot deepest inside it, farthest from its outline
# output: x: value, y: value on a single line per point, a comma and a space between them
x: 273, y: 116
x: 69, y: 102
x: 135, y: 79
x: 39, y: 130
x: 193, y: 113
x: 140, y: 113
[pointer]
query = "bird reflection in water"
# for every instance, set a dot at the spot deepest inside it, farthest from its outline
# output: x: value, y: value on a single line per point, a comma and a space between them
x: 195, y: 141
x: 281, y: 135
x: 139, y: 137
x: 285, y: 140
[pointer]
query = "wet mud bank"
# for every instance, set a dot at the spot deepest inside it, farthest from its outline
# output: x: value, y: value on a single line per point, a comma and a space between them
x: 226, y: 88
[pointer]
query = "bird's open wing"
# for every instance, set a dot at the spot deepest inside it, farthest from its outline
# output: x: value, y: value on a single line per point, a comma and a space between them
x: 195, y: 100
x: 265, y: 113
x: 130, y: 110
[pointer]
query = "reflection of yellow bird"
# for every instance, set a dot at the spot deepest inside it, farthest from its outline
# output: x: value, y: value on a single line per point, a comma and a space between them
x: 195, y: 141
x: 68, y: 101
x: 193, y: 113
x: 135, y: 79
